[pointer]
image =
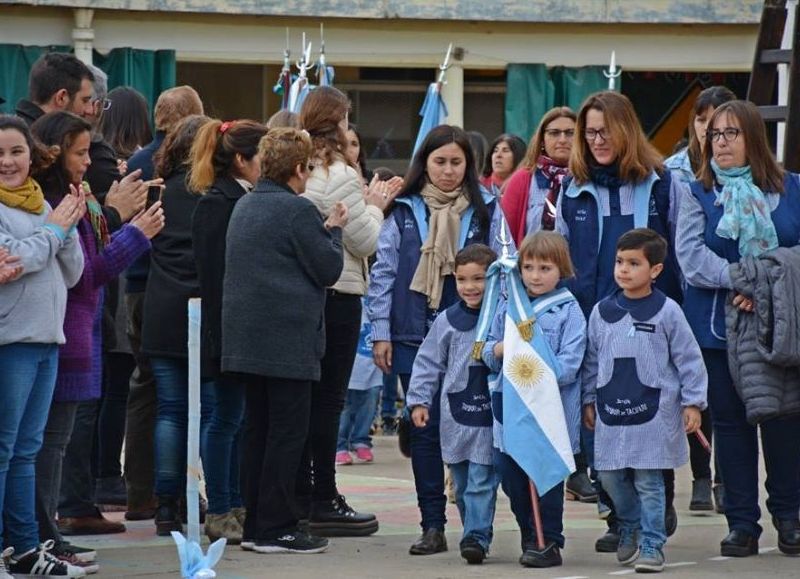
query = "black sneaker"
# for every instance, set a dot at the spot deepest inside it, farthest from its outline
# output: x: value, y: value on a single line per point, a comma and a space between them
x: 335, y: 518
x: 608, y: 543
x: 472, y: 551
x: 388, y: 426
x: 550, y: 556
x: 41, y: 563
x: 296, y: 542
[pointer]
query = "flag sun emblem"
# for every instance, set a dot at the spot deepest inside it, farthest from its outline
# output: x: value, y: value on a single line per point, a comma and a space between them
x: 525, y: 370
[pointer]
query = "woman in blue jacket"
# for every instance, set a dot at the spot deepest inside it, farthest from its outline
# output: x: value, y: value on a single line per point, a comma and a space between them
x: 618, y: 183
x: 743, y: 204
x: 441, y: 208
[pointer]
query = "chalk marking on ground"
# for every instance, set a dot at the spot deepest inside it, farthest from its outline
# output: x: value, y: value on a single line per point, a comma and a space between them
x: 719, y: 558
x: 623, y: 572
x: 573, y: 577
x: 681, y: 564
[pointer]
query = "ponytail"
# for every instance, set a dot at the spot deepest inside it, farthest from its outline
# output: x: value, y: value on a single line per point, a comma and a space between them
x: 202, y: 173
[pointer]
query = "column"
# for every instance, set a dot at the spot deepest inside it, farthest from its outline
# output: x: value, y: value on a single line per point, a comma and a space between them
x: 83, y: 34
x: 453, y: 94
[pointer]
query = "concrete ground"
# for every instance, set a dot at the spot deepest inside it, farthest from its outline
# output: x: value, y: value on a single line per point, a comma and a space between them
x: 386, y: 488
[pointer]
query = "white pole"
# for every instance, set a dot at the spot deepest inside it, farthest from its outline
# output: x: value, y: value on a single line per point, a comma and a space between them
x: 783, y: 75
x: 193, y: 443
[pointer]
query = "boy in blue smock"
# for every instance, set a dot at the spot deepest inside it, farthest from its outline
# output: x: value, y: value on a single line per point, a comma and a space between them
x: 445, y: 361
x: 644, y: 386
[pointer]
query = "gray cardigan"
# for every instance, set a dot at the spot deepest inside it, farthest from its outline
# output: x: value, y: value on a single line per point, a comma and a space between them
x: 764, y: 345
x: 278, y: 262
x: 32, y: 307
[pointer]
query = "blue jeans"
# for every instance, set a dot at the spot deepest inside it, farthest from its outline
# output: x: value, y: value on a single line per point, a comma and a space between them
x: 27, y: 379
x: 476, y: 494
x: 638, y: 496
x: 172, y: 422
x: 389, y: 396
x: 426, y: 462
x: 736, y: 447
x: 220, y: 446
x: 356, y: 419
x: 516, y: 485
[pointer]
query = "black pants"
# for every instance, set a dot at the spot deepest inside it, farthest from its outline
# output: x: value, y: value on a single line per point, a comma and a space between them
x: 117, y: 370
x: 140, y: 423
x: 77, y: 482
x: 277, y: 412
x: 317, y: 476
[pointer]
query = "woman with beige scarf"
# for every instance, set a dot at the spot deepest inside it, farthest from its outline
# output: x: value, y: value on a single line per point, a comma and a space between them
x: 441, y: 208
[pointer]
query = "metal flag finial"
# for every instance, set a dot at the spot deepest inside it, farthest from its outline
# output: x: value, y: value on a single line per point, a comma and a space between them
x: 613, y: 72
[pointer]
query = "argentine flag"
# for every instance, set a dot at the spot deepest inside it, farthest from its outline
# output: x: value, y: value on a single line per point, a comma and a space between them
x: 534, y: 428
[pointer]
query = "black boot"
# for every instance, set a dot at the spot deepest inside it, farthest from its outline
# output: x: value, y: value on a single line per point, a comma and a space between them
x: 738, y: 544
x: 788, y: 535
x: 608, y: 543
x: 167, y: 517
x: 580, y: 488
x: 335, y: 518
x: 701, y: 495
x: 431, y: 541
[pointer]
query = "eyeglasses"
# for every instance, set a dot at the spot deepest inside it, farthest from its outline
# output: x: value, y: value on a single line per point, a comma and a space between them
x: 591, y: 135
x: 556, y: 133
x: 730, y: 134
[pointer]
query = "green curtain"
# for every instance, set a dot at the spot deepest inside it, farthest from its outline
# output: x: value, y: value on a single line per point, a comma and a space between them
x: 148, y: 71
x: 15, y: 65
x: 532, y: 90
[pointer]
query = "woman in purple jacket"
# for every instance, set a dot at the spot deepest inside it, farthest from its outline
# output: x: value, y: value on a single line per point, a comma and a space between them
x: 79, y: 360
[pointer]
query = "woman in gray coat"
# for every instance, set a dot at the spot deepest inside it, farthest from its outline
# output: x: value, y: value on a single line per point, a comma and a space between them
x: 280, y: 257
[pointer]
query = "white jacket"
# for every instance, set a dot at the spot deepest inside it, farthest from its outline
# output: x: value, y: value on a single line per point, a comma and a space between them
x: 340, y: 182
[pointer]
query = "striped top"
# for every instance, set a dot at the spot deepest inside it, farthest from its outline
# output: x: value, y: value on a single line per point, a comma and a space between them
x: 642, y: 367
x: 445, y: 361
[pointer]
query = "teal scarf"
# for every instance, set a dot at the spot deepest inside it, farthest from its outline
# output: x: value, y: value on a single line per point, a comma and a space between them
x: 746, y: 212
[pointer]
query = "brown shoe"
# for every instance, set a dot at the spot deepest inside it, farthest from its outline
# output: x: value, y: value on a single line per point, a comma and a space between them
x: 141, y: 512
x: 91, y: 525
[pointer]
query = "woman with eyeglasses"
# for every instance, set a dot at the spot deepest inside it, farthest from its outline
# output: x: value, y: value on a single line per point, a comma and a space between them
x: 618, y: 183
x: 686, y: 164
x: 743, y: 205
x: 531, y: 193
x: 503, y: 158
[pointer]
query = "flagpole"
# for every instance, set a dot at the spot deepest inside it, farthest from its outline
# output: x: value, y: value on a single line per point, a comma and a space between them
x: 537, y: 516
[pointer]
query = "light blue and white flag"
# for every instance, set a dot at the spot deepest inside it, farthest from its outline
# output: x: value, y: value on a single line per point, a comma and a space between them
x: 433, y: 113
x: 535, y: 431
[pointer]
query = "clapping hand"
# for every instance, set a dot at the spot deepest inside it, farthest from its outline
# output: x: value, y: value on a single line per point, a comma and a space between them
x: 338, y: 216
x: 10, y: 266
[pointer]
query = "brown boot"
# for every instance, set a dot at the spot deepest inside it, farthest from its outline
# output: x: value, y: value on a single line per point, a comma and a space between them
x: 225, y: 525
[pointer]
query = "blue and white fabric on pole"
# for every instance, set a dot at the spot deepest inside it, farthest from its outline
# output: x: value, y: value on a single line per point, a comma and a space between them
x: 298, y: 93
x: 433, y: 113
x: 535, y: 431
x: 195, y: 564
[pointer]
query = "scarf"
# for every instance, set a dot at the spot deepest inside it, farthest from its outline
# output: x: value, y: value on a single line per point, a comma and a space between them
x: 28, y: 197
x: 555, y: 174
x: 605, y: 175
x: 98, y: 221
x: 439, y: 249
x: 746, y: 212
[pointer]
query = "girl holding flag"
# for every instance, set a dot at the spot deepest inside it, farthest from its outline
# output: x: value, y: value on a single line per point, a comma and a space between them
x: 554, y: 315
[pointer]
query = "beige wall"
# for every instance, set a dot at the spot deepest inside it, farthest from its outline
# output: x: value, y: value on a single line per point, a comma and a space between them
x: 220, y: 38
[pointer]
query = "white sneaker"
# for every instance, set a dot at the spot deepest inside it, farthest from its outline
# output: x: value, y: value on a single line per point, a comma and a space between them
x: 4, y: 574
x: 41, y: 563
